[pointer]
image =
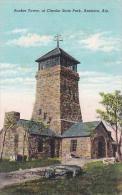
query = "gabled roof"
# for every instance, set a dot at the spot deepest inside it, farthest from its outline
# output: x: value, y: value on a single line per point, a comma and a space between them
x: 57, y: 52
x: 81, y: 129
x: 36, y: 128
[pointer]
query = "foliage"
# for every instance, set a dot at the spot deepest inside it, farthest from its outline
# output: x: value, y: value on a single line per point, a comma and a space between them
x: 97, y: 179
x: 112, y: 103
x: 112, y: 113
x: 7, y: 166
x: 41, y: 122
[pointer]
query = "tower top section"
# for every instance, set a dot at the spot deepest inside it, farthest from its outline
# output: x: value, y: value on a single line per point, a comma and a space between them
x: 58, y: 52
x: 57, y: 56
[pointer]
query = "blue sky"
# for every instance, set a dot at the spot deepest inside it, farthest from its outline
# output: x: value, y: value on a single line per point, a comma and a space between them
x: 95, y: 39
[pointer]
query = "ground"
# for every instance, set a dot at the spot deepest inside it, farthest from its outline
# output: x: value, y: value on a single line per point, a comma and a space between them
x: 96, y: 179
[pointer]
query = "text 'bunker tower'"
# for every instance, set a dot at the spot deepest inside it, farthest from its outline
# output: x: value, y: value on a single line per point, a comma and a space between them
x: 57, y: 96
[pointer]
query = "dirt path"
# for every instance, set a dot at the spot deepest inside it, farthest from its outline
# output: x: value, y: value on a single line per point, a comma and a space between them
x: 21, y: 176
x: 16, y: 177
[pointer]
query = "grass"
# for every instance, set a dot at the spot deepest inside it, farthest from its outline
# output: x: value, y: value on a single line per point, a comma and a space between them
x: 97, y: 179
x: 7, y: 166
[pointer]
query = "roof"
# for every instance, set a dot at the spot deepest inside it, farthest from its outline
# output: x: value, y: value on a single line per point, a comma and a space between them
x: 81, y: 129
x: 36, y: 128
x: 57, y: 52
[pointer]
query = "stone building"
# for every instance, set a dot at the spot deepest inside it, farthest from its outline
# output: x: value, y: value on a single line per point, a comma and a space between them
x: 56, y: 128
x: 88, y: 139
x: 27, y: 138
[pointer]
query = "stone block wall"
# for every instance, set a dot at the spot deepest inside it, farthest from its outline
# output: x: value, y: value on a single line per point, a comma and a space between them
x: 23, y: 145
x: 83, y: 147
x: 15, y: 143
x: 101, y: 135
x: 47, y: 104
x: 10, y: 135
x: 51, y: 146
x: 70, y: 106
x: 33, y: 146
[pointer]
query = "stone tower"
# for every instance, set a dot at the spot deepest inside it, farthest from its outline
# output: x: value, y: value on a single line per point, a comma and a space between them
x: 57, y: 96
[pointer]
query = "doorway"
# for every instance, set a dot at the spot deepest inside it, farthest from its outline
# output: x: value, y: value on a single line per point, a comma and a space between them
x: 98, y: 147
x: 101, y: 148
x: 52, y: 148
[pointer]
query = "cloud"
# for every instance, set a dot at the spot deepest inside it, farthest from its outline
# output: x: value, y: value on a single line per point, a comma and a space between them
x: 30, y: 40
x: 101, y: 42
x: 113, y: 62
x: 8, y: 70
x: 19, y: 31
x: 92, y: 82
x: 95, y: 40
x: 4, y: 66
x: 18, y: 80
x: 13, y: 75
x: 70, y: 35
x: 18, y: 84
x: 15, y: 67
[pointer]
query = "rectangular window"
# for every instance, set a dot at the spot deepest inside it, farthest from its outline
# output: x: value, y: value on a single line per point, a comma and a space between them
x: 16, y: 140
x: 40, y: 145
x: 45, y: 115
x: 73, y: 146
x: 40, y: 111
x: 49, y: 121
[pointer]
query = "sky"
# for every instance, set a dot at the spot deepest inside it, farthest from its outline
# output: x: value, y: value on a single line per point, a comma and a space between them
x: 94, y: 38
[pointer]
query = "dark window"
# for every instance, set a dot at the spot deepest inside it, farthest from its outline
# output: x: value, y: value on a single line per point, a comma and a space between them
x: 16, y: 140
x: 65, y: 85
x: 75, y: 68
x: 74, y: 96
x: 40, y: 111
x: 45, y: 115
x: 50, y: 118
x: 70, y: 67
x: 42, y: 67
x: 39, y: 66
x: 40, y: 145
x: 70, y: 91
x: 73, y: 146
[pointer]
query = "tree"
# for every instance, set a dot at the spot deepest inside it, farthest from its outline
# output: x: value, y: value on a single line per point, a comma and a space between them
x: 112, y: 115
